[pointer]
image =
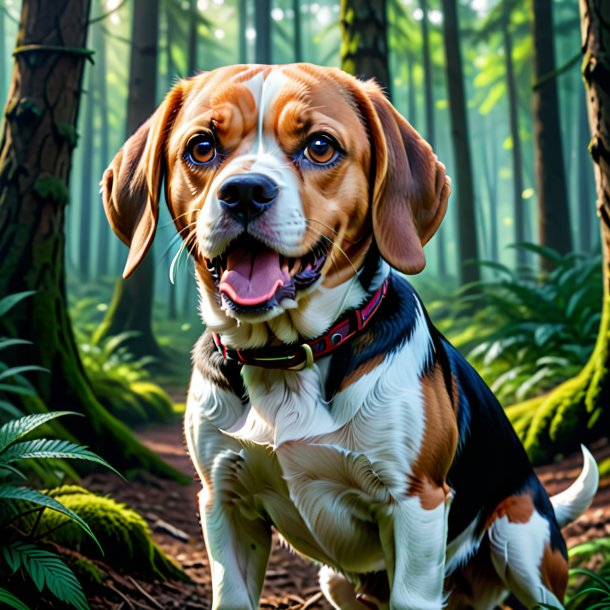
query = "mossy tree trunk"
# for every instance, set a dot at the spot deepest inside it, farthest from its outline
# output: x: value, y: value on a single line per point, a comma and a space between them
x: 364, y: 45
x: 37, y: 138
x: 466, y: 214
x: 554, y: 228
x: 578, y: 410
x: 132, y: 303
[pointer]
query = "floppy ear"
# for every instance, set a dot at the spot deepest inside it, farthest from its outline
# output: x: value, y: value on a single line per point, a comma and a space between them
x: 131, y: 186
x: 410, y: 188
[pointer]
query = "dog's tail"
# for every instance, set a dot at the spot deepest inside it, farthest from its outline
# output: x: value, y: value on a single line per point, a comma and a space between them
x: 573, y: 502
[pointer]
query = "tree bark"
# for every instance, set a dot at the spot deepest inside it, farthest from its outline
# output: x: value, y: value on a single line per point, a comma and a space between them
x: 429, y: 96
x: 192, y: 42
x: 364, y: 45
x: 36, y: 143
x: 584, y: 179
x: 467, y: 230
x: 577, y: 411
x: 262, y: 23
x: 513, y: 118
x: 85, y: 204
x: 554, y: 228
x: 132, y: 302
x: 490, y: 176
x: 103, y: 247
x: 298, y: 45
x: 2, y: 53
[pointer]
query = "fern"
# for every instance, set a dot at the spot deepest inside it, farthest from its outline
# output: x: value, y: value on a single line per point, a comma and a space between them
x: 43, y: 449
x: 6, y: 597
x: 46, y: 569
x: 17, y: 428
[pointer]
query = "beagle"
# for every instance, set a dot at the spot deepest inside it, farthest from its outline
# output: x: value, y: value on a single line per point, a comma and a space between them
x: 323, y: 402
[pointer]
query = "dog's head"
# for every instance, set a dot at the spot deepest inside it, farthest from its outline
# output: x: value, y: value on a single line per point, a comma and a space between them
x: 279, y: 179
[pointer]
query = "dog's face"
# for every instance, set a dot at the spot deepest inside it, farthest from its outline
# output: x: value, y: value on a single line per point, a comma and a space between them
x: 278, y: 178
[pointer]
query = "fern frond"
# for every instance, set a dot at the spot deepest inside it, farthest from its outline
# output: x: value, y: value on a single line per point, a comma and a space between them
x: 12, y: 492
x: 46, y: 568
x: 15, y: 429
x: 8, y: 302
x: 6, y: 597
x: 42, y: 448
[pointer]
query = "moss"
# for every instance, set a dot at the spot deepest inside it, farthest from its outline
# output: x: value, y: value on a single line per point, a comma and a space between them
x: 86, y: 571
x: 67, y: 132
x: 154, y: 400
x: 50, y: 187
x: 123, y: 534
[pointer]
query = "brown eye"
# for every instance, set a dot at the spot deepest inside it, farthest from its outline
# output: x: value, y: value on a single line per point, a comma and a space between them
x: 321, y: 150
x: 201, y: 149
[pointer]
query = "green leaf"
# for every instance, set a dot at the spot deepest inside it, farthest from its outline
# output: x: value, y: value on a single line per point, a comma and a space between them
x: 8, y: 302
x: 10, y: 408
x: 16, y: 389
x: 18, y: 428
x: 47, y: 569
x: 44, y: 449
x: 6, y: 597
x: 17, y: 370
x: 11, y: 492
x: 4, y: 343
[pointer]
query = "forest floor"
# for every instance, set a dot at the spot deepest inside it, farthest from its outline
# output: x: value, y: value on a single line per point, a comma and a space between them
x: 171, y: 511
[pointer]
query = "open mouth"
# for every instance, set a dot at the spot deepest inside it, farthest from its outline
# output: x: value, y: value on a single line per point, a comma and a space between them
x: 251, y: 277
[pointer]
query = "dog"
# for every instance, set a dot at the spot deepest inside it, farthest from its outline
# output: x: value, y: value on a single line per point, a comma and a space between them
x: 323, y: 402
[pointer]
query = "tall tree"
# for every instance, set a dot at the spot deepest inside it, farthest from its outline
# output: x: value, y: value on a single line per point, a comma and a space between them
x: 101, y: 90
x: 467, y: 230
x: 132, y: 302
x: 2, y: 52
x: 577, y: 411
x: 364, y: 47
x: 513, y: 119
x: 553, y: 213
x: 263, y: 26
x: 85, y: 203
x: 584, y: 179
x: 36, y: 142
x: 192, y: 39
x: 489, y: 160
x: 298, y: 45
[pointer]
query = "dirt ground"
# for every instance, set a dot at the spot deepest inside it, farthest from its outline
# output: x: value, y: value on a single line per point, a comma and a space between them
x: 171, y: 511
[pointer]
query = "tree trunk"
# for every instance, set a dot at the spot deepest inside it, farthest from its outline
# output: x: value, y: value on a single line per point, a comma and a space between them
x: 577, y: 411
x: 429, y: 96
x: 132, y: 302
x: 36, y: 143
x: 298, y: 45
x: 513, y: 118
x: 2, y: 54
x: 584, y: 179
x: 411, y: 95
x: 85, y: 204
x: 490, y: 174
x: 364, y: 46
x: 553, y: 211
x: 192, y: 42
x: 242, y: 25
x: 103, y: 246
x: 467, y: 230
x: 262, y: 23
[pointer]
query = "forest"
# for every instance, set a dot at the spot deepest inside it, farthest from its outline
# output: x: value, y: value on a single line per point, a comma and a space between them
x: 98, y: 504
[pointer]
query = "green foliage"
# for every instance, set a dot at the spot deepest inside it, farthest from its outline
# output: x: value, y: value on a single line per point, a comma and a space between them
x: 588, y: 588
x: 123, y: 534
x: 530, y: 332
x: 50, y: 187
x: 67, y: 131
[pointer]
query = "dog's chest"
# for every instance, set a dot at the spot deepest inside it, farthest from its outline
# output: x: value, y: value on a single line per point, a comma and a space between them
x: 333, y: 468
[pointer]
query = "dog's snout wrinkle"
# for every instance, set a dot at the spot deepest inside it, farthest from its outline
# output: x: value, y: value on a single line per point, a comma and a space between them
x: 247, y: 196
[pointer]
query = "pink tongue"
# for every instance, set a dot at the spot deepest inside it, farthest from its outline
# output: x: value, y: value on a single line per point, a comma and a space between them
x: 252, y: 276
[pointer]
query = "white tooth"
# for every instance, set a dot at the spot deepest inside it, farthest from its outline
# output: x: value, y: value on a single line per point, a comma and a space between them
x: 288, y: 304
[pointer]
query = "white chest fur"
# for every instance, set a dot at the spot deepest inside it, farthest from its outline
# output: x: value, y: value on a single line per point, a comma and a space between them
x: 332, y: 467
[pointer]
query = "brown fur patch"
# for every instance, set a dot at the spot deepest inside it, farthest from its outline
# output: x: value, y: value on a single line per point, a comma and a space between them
x: 438, y: 445
x: 554, y: 571
x: 363, y: 369
x: 518, y: 509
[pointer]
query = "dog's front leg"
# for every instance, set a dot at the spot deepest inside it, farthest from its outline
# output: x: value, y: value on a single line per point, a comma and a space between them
x: 414, y: 539
x: 237, y: 538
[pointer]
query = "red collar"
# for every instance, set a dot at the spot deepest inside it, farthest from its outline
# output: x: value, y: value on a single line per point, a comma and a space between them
x: 298, y: 357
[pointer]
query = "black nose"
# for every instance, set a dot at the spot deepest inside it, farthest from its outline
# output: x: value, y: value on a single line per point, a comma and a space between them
x: 247, y: 196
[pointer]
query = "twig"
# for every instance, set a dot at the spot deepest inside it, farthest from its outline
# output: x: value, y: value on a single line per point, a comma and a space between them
x: 121, y: 595
x: 312, y: 600
x: 147, y: 595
